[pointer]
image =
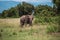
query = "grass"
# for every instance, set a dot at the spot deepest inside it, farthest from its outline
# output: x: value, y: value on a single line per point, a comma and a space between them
x: 10, y: 30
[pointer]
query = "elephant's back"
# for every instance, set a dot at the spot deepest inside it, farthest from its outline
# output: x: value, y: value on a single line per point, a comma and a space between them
x: 31, y: 17
x: 22, y: 18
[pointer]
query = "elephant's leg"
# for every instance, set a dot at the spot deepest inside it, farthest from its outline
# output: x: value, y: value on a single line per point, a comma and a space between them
x: 22, y: 24
x: 30, y: 23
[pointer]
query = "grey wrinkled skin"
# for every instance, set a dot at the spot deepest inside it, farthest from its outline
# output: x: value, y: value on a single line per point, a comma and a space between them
x: 26, y: 19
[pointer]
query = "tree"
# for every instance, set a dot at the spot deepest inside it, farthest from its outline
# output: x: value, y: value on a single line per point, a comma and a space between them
x: 27, y: 8
x: 19, y: 10
x: 5, y: 13
x: 13, y: 12
x: 24, y: 8
x: 44, y: 9
x: 57, y: 4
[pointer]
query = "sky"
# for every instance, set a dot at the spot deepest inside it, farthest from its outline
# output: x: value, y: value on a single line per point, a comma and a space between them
x: 29, y: 0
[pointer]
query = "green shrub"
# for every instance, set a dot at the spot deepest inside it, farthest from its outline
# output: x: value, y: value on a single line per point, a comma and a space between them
x: 38, y: 20
x: 51, y: 29
x: 1, y: 30
x: 46, y: 19
x: 10, y: 35
x: 0, y: 35
x: 14, y: 33
x: 58, y: 21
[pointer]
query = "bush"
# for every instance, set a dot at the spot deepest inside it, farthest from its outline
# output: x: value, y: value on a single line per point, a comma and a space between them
x: 58, y: 23
x: 52, y: 29
x: 1, y: 30
x: 37, y: 21
x: 14, y: 33
x: 0, y: 35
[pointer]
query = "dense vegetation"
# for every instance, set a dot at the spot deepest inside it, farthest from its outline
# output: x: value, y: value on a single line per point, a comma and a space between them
x: 26, y: 8
x: 56, y: 9
x: 19, y: 10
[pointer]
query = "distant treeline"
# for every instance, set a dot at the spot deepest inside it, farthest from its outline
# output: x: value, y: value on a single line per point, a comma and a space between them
x: 26, y: 8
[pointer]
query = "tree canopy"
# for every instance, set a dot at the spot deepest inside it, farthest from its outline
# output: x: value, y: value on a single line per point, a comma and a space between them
x: 25, y: 8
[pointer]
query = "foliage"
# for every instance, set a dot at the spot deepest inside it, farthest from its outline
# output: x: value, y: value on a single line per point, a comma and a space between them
x: 46, y: 20
x: 26, y: 8
x: 56, y: 9
x: 57, y: 4
x: 19, y: 10
x: 51, y: 29
x: 44, y: 10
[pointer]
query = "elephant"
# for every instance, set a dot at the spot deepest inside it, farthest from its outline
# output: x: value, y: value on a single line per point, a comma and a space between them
x: 26, y: 19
